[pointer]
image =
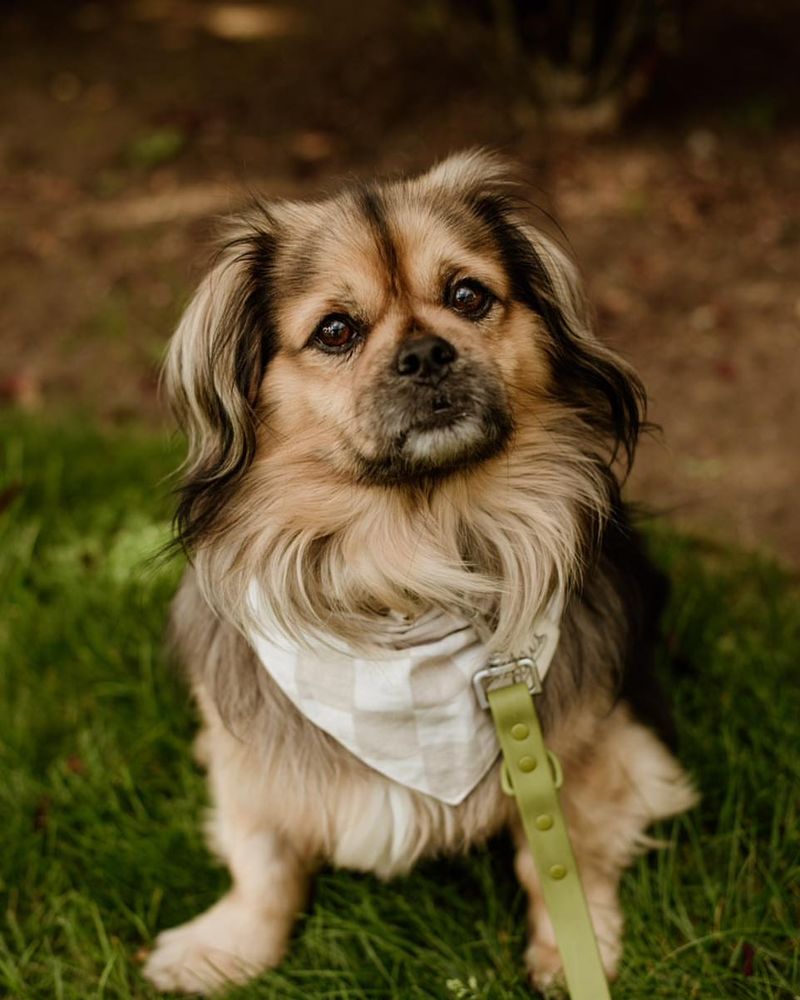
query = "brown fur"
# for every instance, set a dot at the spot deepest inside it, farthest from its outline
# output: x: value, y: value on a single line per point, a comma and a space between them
x: 282, y: 487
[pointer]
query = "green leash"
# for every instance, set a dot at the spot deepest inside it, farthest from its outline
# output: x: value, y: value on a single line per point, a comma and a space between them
x: 532, y: 775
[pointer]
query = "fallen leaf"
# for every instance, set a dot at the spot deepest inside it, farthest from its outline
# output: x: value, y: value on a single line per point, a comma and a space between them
x: 75, y: 764
x: 42, y: 814
x: 142, y: 954
x: 9, y: 495
x: 748, y: 956
x: 726, y: 370
x: 22, y: 390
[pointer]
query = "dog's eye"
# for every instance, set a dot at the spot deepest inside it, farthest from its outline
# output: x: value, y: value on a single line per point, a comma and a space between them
x: 335, y: 334
x: 469, y: 298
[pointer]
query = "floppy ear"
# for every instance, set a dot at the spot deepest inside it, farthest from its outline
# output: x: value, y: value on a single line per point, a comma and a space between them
x: 595, y: 382
x: 213, y: 369
x: 589, y: 377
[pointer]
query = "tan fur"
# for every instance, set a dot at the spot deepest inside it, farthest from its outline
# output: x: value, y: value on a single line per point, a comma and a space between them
x: 340, y: 554
x: 493, y: 541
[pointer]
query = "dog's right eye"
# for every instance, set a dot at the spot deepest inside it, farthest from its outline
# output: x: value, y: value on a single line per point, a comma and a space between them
x: 470, y: 299
x: 335, y: 334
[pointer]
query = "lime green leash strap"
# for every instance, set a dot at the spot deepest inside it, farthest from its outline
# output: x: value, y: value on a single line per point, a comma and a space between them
x: 534, y: 778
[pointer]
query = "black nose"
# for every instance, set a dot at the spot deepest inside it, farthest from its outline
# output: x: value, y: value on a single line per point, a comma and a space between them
x: 426, y: 358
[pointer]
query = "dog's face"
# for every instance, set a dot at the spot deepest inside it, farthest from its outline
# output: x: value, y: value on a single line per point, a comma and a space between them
x: 397, y: 338
x: 392, y: 335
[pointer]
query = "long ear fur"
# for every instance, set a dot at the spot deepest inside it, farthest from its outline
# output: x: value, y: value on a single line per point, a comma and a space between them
x: 213, y: 369
x: 598, y: 384
x: 590, y: 378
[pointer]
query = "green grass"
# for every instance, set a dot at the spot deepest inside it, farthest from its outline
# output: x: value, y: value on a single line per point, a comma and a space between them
x: 100, y: 803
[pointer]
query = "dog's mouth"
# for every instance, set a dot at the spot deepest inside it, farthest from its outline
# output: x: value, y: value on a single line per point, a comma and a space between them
x: 435, y: 434
x: 443, y: 411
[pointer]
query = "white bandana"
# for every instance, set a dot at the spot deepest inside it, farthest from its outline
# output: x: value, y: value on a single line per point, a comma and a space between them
x: 413, y: 714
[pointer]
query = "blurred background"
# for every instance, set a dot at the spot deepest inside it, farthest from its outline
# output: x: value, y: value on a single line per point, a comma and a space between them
x: 663, y: 136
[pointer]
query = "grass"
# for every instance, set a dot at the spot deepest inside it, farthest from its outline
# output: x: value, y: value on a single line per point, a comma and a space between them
x: 100, y: 802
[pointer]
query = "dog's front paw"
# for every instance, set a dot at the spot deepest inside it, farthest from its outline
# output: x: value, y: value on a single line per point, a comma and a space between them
x: 226, y: 945
x: 545, y: 973
x: 545, y: 970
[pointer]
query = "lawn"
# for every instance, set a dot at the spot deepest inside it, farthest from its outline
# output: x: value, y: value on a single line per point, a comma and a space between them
x: 100, y: 802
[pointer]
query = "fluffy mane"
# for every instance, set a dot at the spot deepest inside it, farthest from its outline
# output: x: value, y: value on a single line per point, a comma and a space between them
x: 494, y: 542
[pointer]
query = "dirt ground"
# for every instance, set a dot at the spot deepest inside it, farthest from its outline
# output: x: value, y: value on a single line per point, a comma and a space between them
x: 127, y: 126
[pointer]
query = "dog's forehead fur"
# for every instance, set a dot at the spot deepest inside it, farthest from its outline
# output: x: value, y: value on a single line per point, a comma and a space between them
x: 379, y: 244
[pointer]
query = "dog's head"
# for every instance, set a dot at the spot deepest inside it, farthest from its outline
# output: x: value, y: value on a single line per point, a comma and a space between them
x: 394, y: 401
x: 392, y: 335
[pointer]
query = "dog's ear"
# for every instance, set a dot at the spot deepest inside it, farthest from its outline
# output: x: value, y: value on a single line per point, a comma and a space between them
x: 214, y: 367
x: 591, y: 379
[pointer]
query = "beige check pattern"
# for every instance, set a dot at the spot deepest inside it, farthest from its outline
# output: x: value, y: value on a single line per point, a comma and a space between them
x: 411, y: 715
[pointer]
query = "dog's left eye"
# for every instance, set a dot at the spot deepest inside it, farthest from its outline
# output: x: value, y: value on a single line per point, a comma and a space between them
x: 335, y: 334
x: 469, y: 298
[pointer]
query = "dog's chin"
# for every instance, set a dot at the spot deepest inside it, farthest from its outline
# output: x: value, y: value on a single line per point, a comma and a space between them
x: 434, y: 448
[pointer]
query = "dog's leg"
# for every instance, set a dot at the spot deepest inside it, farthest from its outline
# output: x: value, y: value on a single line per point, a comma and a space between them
x: 542, y: 957
x: 613, y: 790
x: 247, y: 930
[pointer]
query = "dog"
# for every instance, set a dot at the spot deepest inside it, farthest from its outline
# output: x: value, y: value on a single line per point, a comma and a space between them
x: 402, y: 432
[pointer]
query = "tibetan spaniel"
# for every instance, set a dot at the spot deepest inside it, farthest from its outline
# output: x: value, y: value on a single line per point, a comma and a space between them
x: 405, y: 444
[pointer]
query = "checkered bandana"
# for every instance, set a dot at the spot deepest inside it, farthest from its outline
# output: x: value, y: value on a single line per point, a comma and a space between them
x: 412, y: 715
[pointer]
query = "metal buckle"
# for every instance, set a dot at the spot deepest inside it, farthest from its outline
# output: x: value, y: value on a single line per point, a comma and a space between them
x: 520, y: 670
